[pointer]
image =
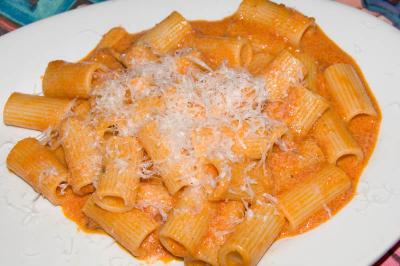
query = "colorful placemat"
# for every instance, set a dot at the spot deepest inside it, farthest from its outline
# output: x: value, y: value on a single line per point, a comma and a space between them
x: 17, y: 13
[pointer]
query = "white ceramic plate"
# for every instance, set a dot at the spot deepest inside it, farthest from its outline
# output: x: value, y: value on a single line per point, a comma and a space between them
x: 32, y: 232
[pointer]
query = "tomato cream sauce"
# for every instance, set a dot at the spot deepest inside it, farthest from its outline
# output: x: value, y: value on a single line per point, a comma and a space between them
x: 364, y: 128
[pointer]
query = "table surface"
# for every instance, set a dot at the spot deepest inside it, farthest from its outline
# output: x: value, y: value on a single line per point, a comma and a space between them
x: 15, y: 14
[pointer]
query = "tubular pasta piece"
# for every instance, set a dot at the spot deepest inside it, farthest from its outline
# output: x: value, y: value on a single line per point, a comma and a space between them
x: 312, y: 70
x: 39, y: 167
x: 82, y: 150
x: 303, y: 200
x: 129, y: 228
x: 106, y: 57
x: 348, y: 91
x: 113, y: 39
x: 310, y: 107
x: 282, y: 21
x: 227, y: 216
x: 185, y: 228
x: 168, y: 34
x: 236, y: 51
x: 117, y: 187
x: 252, y: 237
x: 246, y: 182
x: 335, y: 139
x: 155, y: 146
x: 254, y: 145
x: 69, y: 80
x: 283, y: 72
x: 35, y: 112
x: 154, y: 197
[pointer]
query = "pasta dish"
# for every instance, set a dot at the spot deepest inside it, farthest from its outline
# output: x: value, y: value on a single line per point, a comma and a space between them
x: 205, y: 141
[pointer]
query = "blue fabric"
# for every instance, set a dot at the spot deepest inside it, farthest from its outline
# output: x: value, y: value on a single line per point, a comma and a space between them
x: 389, y: 9
x: 27, y: 11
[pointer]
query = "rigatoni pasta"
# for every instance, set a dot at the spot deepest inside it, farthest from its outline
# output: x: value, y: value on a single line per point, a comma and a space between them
x: 116, y: 188
x: 187, y: 225
x: 69, y: 80
x: 107, y: 57
x: 157, y: 149
x: 225, y: 218
x: 201, y: 140
x: 35, y: 112
x: 306, y: 198
x: 312, y: 70
x: 246, y: 181
x: 282, y: 73
x: 349, y: 93
x: 39, y: 168
x: 284, y: 22
x: 168, y: 34
x: 335, y: 139
x: 128, y: 228
x: 112, y: 37
x: 253, y: 236
x: 236, y: 52
x: 309, y: 108
x: 83, y: 155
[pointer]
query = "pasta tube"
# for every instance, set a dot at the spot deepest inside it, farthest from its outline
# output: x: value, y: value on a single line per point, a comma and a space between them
x: 168, y: 34
x: 283, y: 72
x: 112, y: 38
x: 237, y: 52
x: 82, y: 150
x: 335, y: 139
x: 128, y: 228
x: 69, y: 80
x: 106, y: 57
x: 39, y: 167
x: 303, y: 200
x: 116, y: 189
x: 310, y: 107
x: 245, y: 182
x: 156, y: 147
x: 253, y: 145
x: 185, y: 228
x: 252, y: 237
x: 227, y: 216
x: 348, y: 91
x: 278, y: 19
x: 312, y: 70
x: 35, y: 112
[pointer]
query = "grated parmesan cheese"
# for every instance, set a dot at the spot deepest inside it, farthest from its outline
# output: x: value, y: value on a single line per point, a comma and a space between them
x: 327, y: 209
x: 46, y: 173
x: 195, y: 99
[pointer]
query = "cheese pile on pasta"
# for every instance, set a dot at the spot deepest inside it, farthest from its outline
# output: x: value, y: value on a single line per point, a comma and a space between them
x: 205, y: 147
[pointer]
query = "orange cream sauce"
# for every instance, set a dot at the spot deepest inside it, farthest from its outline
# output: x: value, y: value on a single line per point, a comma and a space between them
x: 364, y: 128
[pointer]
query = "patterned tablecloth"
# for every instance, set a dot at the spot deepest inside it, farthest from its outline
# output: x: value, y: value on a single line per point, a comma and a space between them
x: 17, y: 13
